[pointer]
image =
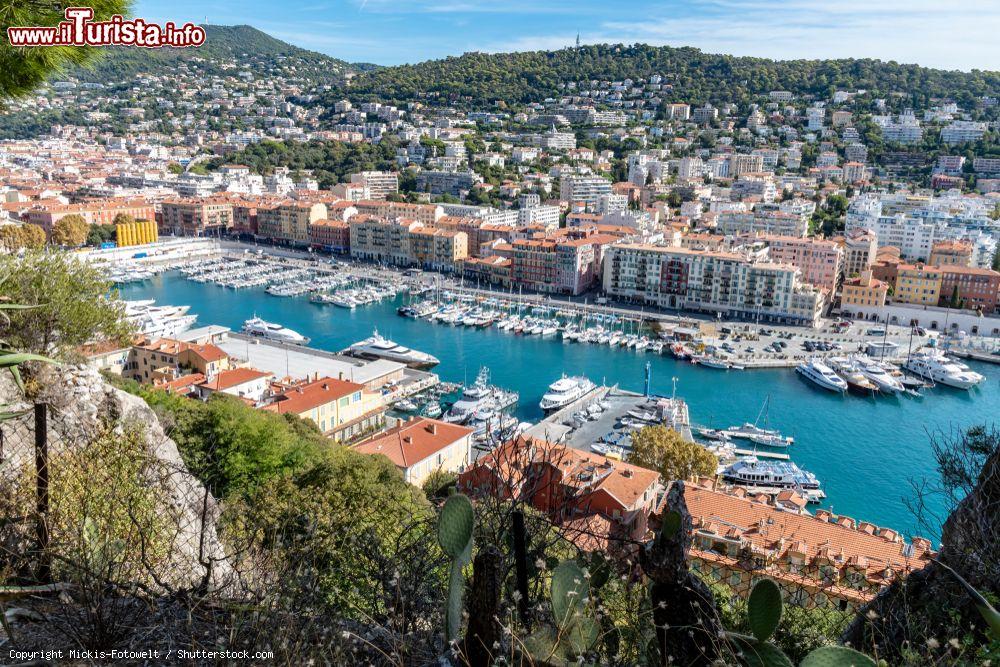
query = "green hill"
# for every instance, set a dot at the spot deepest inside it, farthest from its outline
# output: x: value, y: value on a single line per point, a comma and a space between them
x: 693, y: 76
x: 241, y: 43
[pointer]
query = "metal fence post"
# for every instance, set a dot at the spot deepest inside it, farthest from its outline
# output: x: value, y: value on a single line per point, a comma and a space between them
x: 42, y: 492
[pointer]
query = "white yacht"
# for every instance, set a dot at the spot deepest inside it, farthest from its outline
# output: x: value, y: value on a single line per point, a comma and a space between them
x: 822, y: 375
x: 158, y: 321
x: 564, y: 391
x: 936, y: 367
x: 480, y: 397
x: 880, y: 375
x: 258, y: 327
x: 382, y: 348
x: 752, y: 472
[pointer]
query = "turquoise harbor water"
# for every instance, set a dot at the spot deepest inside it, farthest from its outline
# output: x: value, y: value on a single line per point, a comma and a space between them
x: 865, y: 452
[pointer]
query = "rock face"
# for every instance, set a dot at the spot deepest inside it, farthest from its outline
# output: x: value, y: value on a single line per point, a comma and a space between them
x: 922, y: 606
x: 687, y: 622
x: 82, y: 405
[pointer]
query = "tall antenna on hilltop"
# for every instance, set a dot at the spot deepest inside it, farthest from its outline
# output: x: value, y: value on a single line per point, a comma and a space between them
x: 577, y: 41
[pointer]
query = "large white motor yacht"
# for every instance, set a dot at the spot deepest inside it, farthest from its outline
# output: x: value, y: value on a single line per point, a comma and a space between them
x: 936, y: 367
x: 382, y: 348
x: 258, y: 327
x: 564, y: 391
x: 822, y: 375
x: 480, y: 397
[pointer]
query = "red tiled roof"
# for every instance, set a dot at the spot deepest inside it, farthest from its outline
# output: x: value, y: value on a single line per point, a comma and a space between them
x: 415, y: 440
x: 233, y: 378
x: 303, y: 397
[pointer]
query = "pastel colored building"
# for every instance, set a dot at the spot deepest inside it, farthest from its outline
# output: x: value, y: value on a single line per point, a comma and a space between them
x: 421, y: 446
x: 918, y: 284
x: 343, y: 410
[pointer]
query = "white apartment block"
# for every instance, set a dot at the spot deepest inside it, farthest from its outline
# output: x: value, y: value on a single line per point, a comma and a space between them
x: 962, y: 131
x: 728, y: 284
x: 583, y: 188
x: 547, y: 216
x: 378, y: 184
x: 766, y: 222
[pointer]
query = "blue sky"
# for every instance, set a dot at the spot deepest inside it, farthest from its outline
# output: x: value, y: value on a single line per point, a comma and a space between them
x: 961, y: 34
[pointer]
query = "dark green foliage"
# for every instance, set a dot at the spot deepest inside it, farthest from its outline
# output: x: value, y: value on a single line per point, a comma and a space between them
x: 222, y: 42
x: 98, y: 234
x: 330, y: 161
x: 233, y: 448
x: 23, y: 69
x: 695, y: 77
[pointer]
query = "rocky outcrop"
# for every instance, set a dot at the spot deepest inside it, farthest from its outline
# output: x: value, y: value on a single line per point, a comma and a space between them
x: 931, y: 604
x: 81, y: 405
x: 684, y: 613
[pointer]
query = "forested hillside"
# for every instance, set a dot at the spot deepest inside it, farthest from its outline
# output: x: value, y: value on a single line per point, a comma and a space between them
x: 691, y: 76
x: 222, y: 43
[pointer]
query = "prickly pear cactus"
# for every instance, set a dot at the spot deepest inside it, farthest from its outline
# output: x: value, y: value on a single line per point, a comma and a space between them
x: 455, y: 526
x: 837, y: 656
x: 764, y: 609
x: 576, y: 628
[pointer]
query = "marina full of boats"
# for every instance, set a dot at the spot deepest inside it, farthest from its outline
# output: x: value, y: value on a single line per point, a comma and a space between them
x: 539, y: 320
x: 328, y: 286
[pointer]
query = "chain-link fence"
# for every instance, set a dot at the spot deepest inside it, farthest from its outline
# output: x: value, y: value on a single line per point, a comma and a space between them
x: 107, y: 536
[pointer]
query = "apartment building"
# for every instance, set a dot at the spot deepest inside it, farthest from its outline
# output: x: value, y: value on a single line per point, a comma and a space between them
x: 196, y: 217
x: 330, y: 236
x: 777, y: 223
x: 447, y: 182
x: 420, y: 447
x: 949, y: 252
x: 740, y: 163
x: 289, y: 221
x: 342, y: 410
x: 427, y: 214
x: 862, y: 291
x: 820, y: 561
x: 962, y: 131
x: 596, y: 501
x: 164, y: 359
x: 101, y: 212
x: 377, y: 184
x: 918, y: 284
x: 859, y: 248
x: 584, y: 188
x: 383, y: 240
x: 820, y: 261
x: 722, y: 283
x: 438, y: 249
x: 973, y: 288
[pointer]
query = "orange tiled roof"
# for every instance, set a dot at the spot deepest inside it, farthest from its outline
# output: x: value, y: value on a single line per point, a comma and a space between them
x: 415, y: 440
x: 823, y: 536
x: 233, y: 378
x: 306, y: 396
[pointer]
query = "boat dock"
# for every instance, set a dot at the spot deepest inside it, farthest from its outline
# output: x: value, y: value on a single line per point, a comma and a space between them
x: 566, y: 425
x: 762, y: 454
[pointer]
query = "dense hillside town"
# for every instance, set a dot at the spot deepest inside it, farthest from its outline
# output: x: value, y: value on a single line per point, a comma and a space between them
x: 566, y: 195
